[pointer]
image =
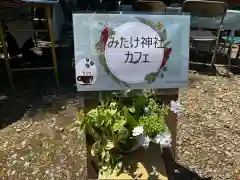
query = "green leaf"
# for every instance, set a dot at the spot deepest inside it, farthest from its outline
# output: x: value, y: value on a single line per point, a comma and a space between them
x: 132, y: 109
x: 133, y: 93
x: 122, y: 135
x: 111, y: 32
x: 119, y: 165
x: 98, y: 46
x: 107, y: 156
x: 151, y: 77
x: 109, y: 145
x: 141, y: 101
x: 89, y: 129
x: 147, y: 22
x: 126, y: 112
x: 104, y: 138
x: 102, y: 61
x: 113, y: 111
x: 113, y: 105
x: 96, y: 148
x: 104, y: 168
x: 119, y: 124
x: 165, y: 44
x: 117, y: 168
x: 132, y: 122
x: 80, y: 113
x: 103, y: 154
x: 163, y: 34
x: 129, y: 118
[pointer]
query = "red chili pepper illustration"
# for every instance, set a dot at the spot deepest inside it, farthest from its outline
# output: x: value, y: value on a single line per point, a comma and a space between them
x: 167, y: 52
x: 104, y: 36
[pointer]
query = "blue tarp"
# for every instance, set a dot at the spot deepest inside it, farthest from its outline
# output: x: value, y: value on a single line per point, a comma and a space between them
x: 235, y: 39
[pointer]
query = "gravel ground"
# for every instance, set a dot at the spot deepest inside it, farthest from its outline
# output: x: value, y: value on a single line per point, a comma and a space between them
x: 209, y: 127
x: 44, y: 142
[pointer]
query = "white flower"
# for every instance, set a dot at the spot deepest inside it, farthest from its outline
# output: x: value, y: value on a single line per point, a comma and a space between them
x: 175, y: 107
x: 145, y: 141
x: 164, y: 139
x: 145, y: 109
x: 137, y: 131
x: 157, y: 138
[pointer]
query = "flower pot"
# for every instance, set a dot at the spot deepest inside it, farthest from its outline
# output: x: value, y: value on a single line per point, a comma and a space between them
x: 131, y: 146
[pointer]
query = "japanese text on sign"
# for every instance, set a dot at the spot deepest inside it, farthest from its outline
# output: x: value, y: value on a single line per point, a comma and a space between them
x: 135, y: 57
x: 144, y: 42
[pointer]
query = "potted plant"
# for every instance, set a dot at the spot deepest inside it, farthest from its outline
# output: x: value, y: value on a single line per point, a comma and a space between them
x: 121, y: 123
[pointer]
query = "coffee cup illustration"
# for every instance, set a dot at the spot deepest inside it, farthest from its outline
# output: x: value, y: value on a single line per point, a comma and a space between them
x: 86, y: 71
x: 85, y: 79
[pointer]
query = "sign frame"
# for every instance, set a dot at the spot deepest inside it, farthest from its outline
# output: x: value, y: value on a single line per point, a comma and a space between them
x: 85, y: 25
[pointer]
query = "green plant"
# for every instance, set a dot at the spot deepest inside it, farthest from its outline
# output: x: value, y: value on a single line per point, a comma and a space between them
x: 122, y: 121
x: 105, y: 125
x: 153, y: 119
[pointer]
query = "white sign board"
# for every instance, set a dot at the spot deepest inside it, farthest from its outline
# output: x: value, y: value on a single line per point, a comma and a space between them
x: 122, y: 51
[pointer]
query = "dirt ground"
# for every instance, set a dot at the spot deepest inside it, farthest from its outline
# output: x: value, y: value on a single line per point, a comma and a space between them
x: 44, y: 143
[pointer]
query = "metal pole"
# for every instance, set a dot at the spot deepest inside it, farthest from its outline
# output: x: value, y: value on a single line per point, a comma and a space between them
x: 230, y: 51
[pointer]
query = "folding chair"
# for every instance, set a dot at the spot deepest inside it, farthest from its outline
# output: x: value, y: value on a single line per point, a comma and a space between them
x: 149, y: 6
x: 231, y: 39
x: 209, y: 9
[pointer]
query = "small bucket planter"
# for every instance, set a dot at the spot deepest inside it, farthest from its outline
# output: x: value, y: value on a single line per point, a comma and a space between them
x: 123, y: 123
x: 130, y: 146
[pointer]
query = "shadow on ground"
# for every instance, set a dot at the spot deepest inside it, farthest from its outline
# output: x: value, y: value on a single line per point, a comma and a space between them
x: 176, y: 171
x: 36, y: 89
x: 199, y: 61
x: 183, y: 173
